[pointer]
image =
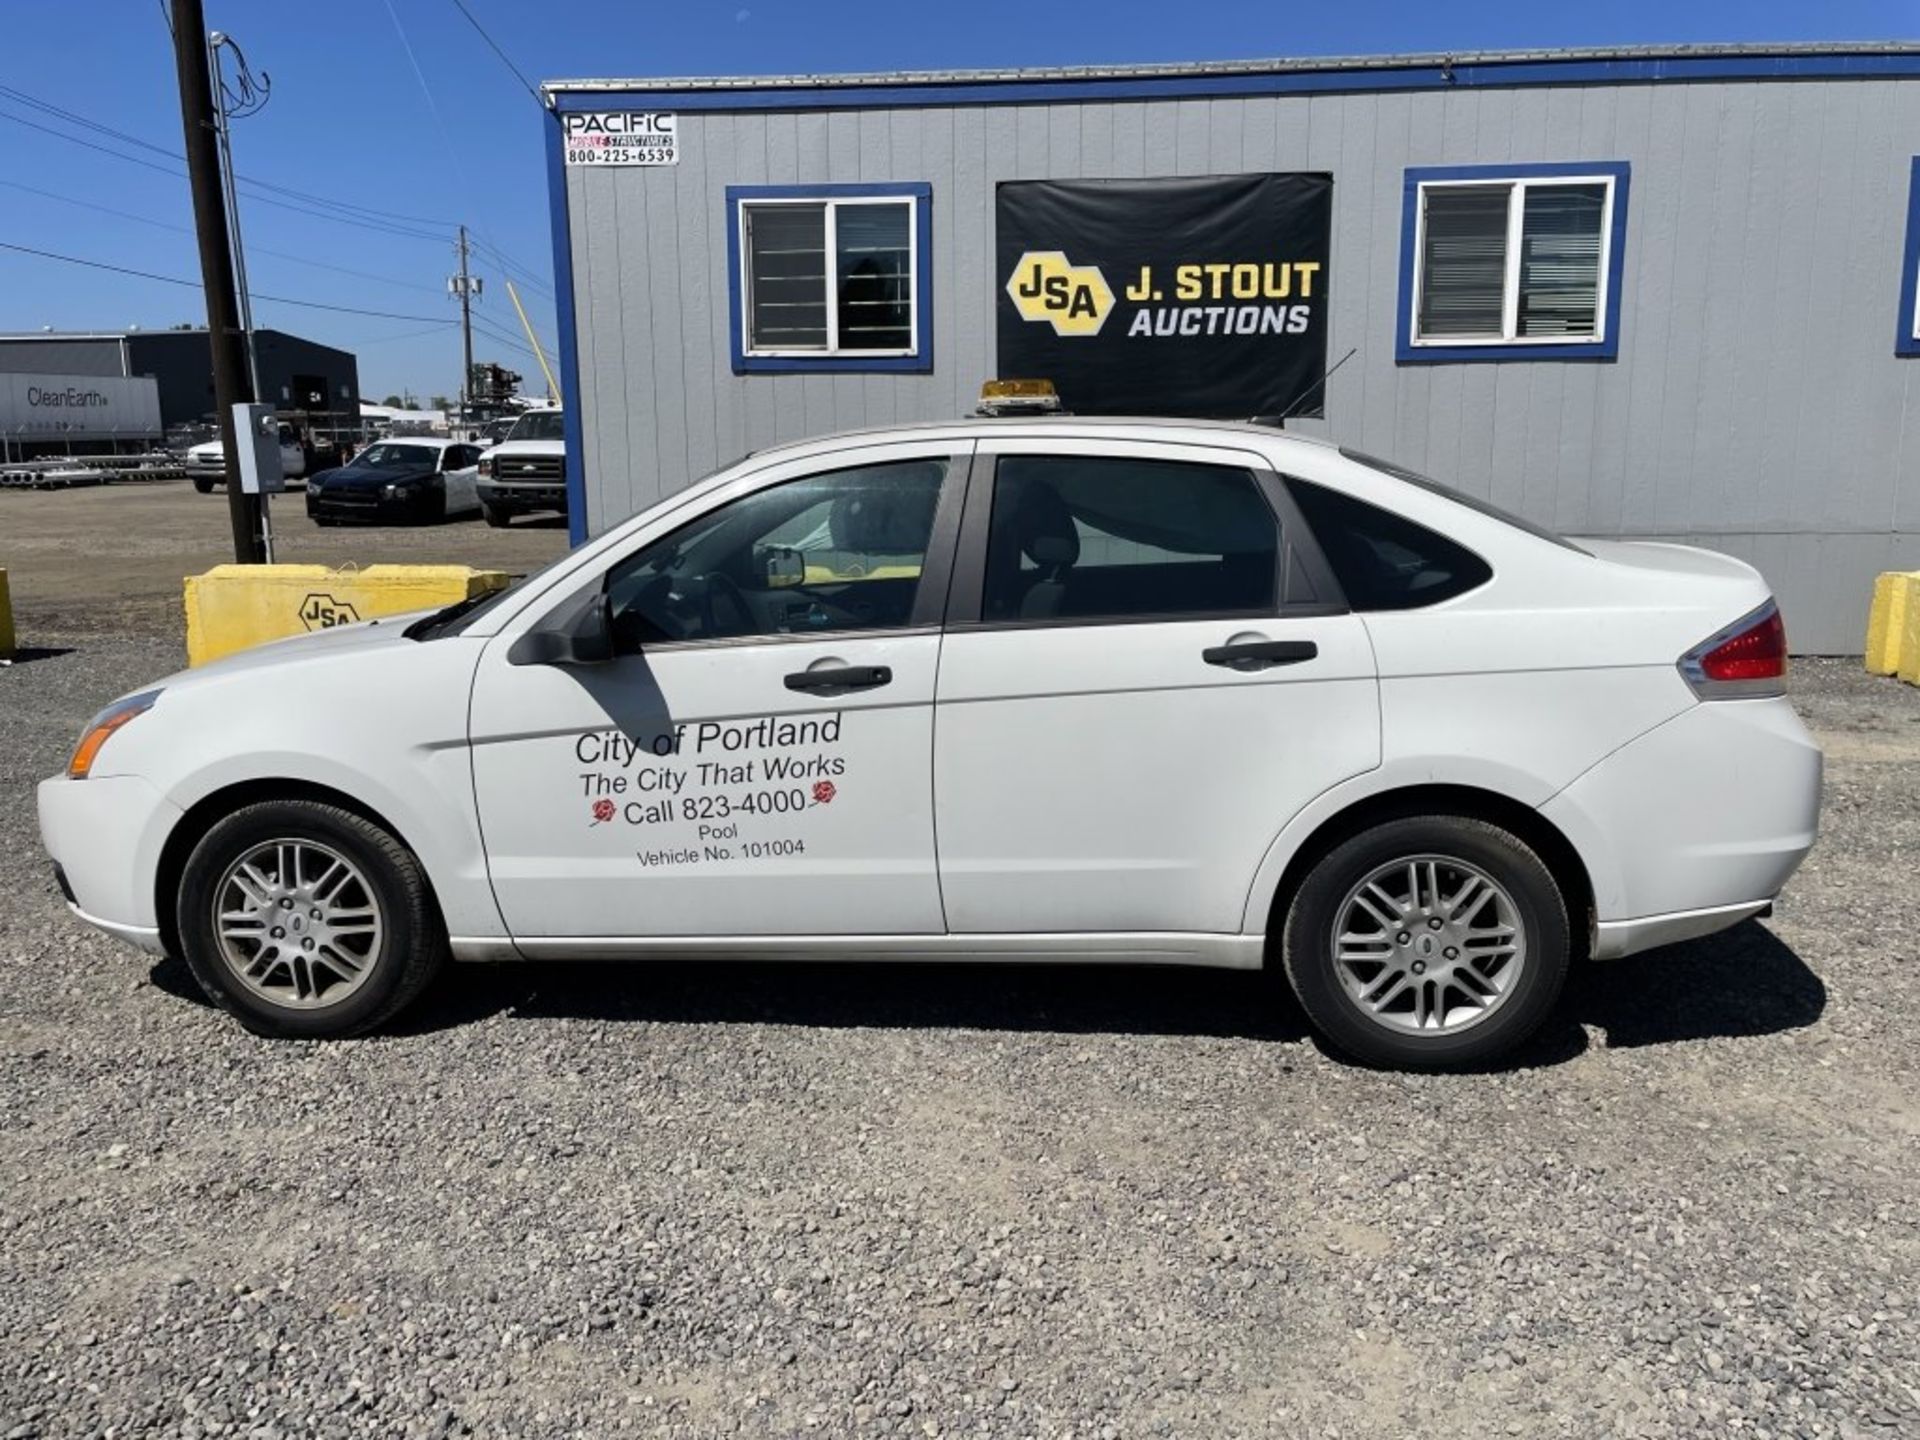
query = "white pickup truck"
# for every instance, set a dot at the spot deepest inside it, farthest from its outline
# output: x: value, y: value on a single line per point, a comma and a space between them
x: 527, y: 471
x: 207, y: 462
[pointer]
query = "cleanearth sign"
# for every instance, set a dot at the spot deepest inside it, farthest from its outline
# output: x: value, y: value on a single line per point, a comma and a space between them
x: 79, y: 407
x: 1199, y: 296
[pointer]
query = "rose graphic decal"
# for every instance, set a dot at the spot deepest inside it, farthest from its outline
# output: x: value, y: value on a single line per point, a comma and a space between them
x: 602, y: 811
x: 823, y: 792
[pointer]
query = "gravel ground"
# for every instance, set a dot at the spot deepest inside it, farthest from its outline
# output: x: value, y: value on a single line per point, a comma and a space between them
x: 674, y: 1202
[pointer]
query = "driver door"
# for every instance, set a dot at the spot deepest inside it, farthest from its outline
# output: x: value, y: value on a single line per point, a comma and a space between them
x: 757, y: 759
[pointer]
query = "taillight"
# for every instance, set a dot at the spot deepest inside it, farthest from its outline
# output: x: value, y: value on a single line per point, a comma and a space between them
x: 1745, y: 661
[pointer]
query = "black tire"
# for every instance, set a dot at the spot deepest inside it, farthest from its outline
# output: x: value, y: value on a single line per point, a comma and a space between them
x: 498, y: 518
x: 1307, y: 943
x: 205, y: 487
x: 411, y: 950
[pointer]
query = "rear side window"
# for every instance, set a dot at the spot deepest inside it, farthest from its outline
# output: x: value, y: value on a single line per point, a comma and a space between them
x: 1088, y: 538
x: 1382, y: 560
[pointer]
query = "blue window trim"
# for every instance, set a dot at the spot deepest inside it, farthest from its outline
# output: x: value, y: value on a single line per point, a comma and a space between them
x: 1378, y: 78
x: 1606, y: 348
x: 576, y: 459
x: 1905, y: 341
x: 920, y: 361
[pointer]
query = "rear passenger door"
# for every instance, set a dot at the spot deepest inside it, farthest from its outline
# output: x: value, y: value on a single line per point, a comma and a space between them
x: 1145, y: 676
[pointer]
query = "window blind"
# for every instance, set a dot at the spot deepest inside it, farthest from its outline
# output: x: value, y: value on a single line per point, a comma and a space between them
x: 1463, y: 261
x: 1560, y: 259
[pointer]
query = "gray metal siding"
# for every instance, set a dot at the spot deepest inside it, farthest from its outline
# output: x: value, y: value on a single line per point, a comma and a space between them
x: 1756, y: 404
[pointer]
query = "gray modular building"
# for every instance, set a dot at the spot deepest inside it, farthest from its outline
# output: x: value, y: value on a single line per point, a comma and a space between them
x: 1652, y: 293
x: 296, y: 375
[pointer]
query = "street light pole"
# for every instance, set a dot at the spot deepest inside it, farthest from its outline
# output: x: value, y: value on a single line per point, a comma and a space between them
x: 225, y: 134
x: 232, y: 383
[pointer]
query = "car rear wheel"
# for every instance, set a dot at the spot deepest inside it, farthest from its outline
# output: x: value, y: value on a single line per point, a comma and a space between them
x: 498, y: 518
x: 306, y: 920
x: 1428, y: 943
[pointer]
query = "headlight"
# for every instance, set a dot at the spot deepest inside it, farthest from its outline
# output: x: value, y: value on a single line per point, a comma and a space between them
x: 486, y: 466
x: 103, y: 725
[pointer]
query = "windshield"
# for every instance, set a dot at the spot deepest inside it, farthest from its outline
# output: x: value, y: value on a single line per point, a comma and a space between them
x: 1472, y: 502
x: 396, y: 457
x: 540, y: 425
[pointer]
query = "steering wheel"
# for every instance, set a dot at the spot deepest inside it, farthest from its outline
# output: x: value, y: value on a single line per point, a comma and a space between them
x: 716, y: 586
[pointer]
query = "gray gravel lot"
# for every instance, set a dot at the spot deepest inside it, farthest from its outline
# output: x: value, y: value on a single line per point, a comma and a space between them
x: 673, y: 1201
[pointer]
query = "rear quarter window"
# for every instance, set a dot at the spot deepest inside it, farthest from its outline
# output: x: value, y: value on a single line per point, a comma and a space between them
x: 1382, y: 560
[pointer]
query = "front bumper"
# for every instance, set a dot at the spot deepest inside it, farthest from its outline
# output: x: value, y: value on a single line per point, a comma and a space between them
x: 1695, y: 825
x: 523, y: 498
x: 371, y: 507
x: 105, y: 834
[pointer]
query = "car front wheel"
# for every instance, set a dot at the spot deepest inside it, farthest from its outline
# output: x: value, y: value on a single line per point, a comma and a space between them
x: 306, y: 920
x: 205, y: 487
x: 495, y: 516
x: 1428, y: 943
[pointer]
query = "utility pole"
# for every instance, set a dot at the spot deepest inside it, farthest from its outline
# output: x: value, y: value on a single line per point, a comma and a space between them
x: 465, y: 286
x: 232, y: 384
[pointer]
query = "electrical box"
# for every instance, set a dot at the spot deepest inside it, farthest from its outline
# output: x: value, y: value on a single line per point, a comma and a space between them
x: 257, y: 438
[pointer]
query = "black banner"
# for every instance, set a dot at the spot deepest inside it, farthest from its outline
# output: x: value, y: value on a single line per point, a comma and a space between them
x: 1203, y: 296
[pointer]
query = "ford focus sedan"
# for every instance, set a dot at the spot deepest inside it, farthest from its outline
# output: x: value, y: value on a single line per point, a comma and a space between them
x: 1049, y: 690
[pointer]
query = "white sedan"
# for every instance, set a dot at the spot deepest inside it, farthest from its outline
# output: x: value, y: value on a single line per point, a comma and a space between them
x: 1008, y: 690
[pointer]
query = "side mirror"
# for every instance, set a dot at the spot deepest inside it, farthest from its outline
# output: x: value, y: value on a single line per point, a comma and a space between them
x: 578, y: 633
x: 782, y: 566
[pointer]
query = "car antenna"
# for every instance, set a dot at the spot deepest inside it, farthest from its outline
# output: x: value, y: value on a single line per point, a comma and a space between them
x: 1279, y: 422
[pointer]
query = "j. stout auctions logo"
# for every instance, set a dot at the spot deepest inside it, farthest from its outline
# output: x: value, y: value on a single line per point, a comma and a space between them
x: 1076, y: 299
x: 1202, y: 296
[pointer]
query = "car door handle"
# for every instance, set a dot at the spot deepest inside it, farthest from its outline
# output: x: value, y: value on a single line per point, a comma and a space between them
x: 841, y: 677
x: 1259, y: 654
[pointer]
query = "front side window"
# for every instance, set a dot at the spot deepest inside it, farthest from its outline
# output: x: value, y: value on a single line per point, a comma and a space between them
x: 1500, y: 262
x: 833, y: 552
x: 829, y: 277
x: 1111, y: 538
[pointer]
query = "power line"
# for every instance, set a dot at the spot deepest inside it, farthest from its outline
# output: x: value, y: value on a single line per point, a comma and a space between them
x: 525, y: 84
x: 526, y: 275
x: 195, y: 285
x: 75, y: 117
x: 188, y: 230
x: 298, y: 209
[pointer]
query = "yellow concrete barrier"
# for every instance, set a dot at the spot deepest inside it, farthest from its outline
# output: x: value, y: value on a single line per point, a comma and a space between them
x: 1908, y: 668
x: 6, y: 619
x: 232, y: 607
x: 1894, y: 600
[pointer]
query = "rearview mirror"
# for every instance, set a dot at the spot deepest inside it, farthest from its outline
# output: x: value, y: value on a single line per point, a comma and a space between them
x: 578, y: 633
x: 782, y: 565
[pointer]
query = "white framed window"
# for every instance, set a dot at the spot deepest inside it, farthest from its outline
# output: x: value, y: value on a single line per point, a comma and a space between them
x: 835, y: 273
x: 1513, y: 258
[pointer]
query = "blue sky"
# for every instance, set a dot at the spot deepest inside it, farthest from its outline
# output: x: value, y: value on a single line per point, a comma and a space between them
x: 350, y: 121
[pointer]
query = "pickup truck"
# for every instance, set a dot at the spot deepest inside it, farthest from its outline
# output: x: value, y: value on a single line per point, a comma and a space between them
x: 526, y: 472
x: 207, y: 463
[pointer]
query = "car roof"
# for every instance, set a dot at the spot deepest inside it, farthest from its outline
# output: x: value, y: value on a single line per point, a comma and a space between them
x: 439, y: 440
x: 1084, y: 426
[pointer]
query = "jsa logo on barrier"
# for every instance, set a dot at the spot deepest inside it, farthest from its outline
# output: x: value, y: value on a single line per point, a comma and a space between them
x: 1074, y: 299
x: 323, y: 612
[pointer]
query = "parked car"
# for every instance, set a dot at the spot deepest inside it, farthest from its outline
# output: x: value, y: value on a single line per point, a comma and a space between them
x: 398, y: 482
x: 527, y: 472
x: 1168, y: 692
x: 206, y: 463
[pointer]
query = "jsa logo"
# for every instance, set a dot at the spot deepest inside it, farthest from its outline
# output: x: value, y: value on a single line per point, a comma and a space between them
x: 1074, y: 299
